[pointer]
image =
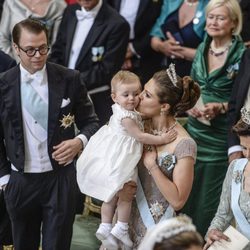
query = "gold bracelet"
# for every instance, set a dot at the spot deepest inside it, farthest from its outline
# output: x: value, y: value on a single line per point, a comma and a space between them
x: 152, y: 168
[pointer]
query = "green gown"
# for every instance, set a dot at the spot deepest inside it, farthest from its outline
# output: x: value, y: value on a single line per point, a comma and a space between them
x: 212, y: 160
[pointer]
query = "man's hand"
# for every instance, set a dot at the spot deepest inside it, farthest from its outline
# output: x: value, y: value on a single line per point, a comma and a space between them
x: 67, y: 150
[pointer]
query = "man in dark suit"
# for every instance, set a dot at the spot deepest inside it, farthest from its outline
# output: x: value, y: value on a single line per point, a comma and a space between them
x: 245, y: 33
x: 39, y: 104
x: 240, y: 97
x: 6, y: 62
x: 141, y: 15
x: 93, y: 38
x: 1, y: 7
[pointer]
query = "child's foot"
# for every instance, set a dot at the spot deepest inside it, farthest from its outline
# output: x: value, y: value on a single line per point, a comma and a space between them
x: 108, y: 240
x: 122, y: 235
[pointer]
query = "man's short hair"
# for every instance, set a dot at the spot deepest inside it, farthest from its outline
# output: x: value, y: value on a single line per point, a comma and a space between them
x: 32, y: 25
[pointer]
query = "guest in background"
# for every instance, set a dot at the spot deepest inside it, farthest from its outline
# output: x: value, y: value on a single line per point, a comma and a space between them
x: 1, y: 8
x: 235, y: 199
x: 173, y: 234
x: 6, y: 62
x: 245, y: 7
x: 214, y: 68
x: 240, y: 97
x: 93, y: 39
x: 48, y: 12
x: 141, y: 16
x: 178, y: 31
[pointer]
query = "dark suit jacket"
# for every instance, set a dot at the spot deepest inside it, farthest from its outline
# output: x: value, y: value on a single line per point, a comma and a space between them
x: 1, y: 7
x: 62, y: 83
x: 238, y: 96
x: 6, y: 62
x: 147, y: 14
x: 109, y: 30
x: 245, y: 7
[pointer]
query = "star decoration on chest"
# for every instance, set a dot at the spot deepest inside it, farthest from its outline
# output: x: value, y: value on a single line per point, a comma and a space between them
x: 156, y: 209
x: 67, y: 121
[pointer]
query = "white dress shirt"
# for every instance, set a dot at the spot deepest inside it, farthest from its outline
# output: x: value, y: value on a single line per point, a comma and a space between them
x: 82, y: 30
x: 129, y: 11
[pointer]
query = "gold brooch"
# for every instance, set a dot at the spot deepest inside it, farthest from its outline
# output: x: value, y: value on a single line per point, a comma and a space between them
x: 67, y: 121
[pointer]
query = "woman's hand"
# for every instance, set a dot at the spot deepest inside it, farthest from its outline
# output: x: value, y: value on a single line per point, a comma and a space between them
x: 214, y: 235
x: 195, y: 112
x: 168, y: 47
x: 127, y: 193
x: 211, y: 110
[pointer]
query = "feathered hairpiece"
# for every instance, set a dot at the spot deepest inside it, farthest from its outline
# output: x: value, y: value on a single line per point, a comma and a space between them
x: 166, y: 229
x: 172, y: 74
x: 245, y: 115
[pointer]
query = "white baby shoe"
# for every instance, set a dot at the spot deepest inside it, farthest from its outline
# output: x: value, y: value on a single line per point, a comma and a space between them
x: 108, y: 240
x: 122, y: 235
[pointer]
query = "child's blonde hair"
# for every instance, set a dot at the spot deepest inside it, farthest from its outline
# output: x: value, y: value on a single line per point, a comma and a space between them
x: 123, y: 77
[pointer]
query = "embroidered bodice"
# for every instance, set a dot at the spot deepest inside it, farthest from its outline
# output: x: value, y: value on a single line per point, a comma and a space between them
x: 155, y: 200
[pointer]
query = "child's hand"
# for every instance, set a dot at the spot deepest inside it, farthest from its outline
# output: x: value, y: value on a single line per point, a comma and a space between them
x: 169, y: 136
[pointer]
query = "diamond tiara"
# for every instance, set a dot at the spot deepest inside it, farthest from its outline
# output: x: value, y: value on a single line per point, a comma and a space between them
x: 172, y: 74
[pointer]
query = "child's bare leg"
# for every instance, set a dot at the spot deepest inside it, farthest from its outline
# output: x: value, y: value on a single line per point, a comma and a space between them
x: 103, y: 232
x: 124, y: 210
x: 120, y: 230
x: 108, y: 210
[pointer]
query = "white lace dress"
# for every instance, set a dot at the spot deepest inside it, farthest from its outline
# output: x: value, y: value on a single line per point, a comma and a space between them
x: 110, y: 157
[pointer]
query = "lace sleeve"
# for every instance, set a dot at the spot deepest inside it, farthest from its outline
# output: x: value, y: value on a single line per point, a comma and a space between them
x: 224, y: 214
x: 186, y: 147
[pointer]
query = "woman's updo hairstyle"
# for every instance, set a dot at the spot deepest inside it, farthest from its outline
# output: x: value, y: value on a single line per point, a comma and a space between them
x: 181, y: 96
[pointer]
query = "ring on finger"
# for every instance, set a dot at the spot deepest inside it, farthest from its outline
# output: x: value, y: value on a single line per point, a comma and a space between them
x: 172, y: 56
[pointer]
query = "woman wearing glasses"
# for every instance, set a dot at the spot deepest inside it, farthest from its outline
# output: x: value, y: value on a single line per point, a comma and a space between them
x: 47, y: 11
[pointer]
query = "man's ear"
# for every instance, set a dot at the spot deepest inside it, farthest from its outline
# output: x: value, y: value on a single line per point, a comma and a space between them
x: 16, y: 48
x: 113, y: 97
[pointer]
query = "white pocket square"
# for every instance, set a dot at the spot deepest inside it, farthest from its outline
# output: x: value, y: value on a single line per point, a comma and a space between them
x: 65, y: 102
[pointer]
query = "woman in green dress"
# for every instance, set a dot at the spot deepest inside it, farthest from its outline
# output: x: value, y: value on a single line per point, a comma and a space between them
x: 214, y: 68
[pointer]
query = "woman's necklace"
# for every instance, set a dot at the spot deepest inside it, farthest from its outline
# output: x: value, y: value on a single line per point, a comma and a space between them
x: 165, y: 130
x: 191, y: 4
x: 218, y: 52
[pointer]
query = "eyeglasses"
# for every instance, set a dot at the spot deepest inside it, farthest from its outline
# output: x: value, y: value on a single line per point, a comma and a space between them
x: 43, y: 50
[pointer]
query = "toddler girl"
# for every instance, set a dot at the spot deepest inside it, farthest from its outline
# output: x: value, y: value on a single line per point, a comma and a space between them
x: 111, y: 155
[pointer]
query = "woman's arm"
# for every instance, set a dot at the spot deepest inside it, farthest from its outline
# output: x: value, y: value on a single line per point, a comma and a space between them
x: 224, y: 214
x: 145, y: 138
x: 176, y: 192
